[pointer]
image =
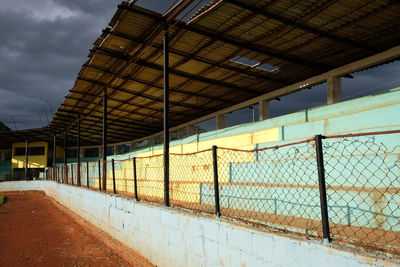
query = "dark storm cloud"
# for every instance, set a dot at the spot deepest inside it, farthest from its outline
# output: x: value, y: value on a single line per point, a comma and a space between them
x: 45, y: 42
x: 43, y: 46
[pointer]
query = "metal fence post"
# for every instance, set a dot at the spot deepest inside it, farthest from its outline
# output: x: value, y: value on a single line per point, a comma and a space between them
x: 322, y: 188
x: 113, y: 175
x: 99, y: 175
x: 87, y: 173
x: 216, y: 184
x: 78, y: 173
x: 135, y: 179
x: 66, y: 174
x: 72, y: 173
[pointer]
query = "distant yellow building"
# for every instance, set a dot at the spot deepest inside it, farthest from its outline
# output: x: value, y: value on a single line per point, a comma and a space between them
x: 38, y: 158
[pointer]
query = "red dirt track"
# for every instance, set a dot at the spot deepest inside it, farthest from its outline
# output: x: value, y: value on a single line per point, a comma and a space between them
x: 35, y: 232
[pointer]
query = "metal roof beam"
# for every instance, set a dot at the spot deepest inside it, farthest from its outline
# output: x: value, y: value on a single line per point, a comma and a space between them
x: 127, y: 77
x: 301, y: 26
x: 146, y: 96
x: 113, y: 108
x: 189, y: 56
x: 142, y: 62
x: 88, y: 129
x: 116, y: 122
x: 115, y: 100
x: 210, y: 33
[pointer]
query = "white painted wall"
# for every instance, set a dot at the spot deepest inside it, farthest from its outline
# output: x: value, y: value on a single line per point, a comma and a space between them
x: 169, y: 237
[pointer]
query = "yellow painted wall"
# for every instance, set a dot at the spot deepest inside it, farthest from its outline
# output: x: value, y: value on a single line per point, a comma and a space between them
x: 33, y: 161
x: 187, y: 172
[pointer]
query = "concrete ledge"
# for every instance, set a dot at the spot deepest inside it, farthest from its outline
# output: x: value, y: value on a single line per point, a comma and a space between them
x: 169, y: 237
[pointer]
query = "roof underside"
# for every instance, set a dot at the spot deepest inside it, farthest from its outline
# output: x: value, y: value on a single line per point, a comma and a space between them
x: 300, y: 38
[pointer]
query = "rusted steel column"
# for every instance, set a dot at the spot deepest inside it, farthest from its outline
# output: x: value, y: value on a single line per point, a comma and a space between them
x: 216, y: 183
x: 104, y: 138
x: 65, y: 158
x: 135, y: 179
x: 166, y: 114
x: 113, y: 175
x: 87, y: 173
x: 26, y: 159
x: 78, y: 154
x: 322, y: 189
x: 99, y: 165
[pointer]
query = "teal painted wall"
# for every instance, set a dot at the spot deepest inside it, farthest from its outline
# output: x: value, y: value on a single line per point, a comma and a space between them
x: 5, y: 169
x: 351, y: 162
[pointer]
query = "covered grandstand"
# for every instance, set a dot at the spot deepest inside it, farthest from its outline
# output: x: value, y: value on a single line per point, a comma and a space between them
x: 151, y: 74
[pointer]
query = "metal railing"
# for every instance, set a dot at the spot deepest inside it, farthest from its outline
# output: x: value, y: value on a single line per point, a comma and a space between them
x: 343, y: 188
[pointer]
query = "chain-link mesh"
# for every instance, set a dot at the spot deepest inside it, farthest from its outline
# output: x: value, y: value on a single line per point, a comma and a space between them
x: 277, y: 187
x: 109, y: 177
x: 191, y: 181
x: 363, y: 190
x: 150, y: 178
x: 124, y: 179
x: 95, y: 174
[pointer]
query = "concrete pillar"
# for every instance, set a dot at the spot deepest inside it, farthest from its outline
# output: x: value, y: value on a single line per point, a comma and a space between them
x: 2, y: 155
x: 264, y: 110
x: 222, y: 121
x: 115, y: 149
x: 334, y: 90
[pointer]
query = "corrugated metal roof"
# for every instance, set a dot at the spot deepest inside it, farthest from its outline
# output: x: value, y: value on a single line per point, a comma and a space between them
x: 301, y: 38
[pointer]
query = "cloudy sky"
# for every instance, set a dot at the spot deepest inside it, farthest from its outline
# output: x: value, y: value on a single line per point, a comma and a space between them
x: 45, y: 42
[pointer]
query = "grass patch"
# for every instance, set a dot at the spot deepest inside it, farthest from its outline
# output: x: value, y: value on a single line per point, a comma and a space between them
x: 2, y: 199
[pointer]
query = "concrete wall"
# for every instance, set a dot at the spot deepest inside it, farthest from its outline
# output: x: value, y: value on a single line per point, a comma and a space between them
x: 168, y: 237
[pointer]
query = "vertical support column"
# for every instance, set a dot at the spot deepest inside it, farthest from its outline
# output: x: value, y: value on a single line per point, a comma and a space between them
x: 135, y: 179
x: 65, y: 158
x: 104, y: 152
x: 166, y: 114
x: 115, y: 150
x: 222, y: 122
x: 264, y: 110
x: 78, y: 152
x: 334, y: 90
x: 216, y: 183
x: 54, y: 151
x: 99, y: 175
x: 87, y: 173
x: 72, y: 173
x: 26, y: 159
x: 322, y: 189
x: 113, y: 175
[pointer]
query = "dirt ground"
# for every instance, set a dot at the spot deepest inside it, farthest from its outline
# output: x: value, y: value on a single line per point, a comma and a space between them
x: 35, y: 232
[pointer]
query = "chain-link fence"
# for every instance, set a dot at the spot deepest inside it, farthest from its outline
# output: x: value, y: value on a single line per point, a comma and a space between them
x: 275, y: 187
x: 191, y: 183
x: 363, y: 190
x: 342, y: 188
